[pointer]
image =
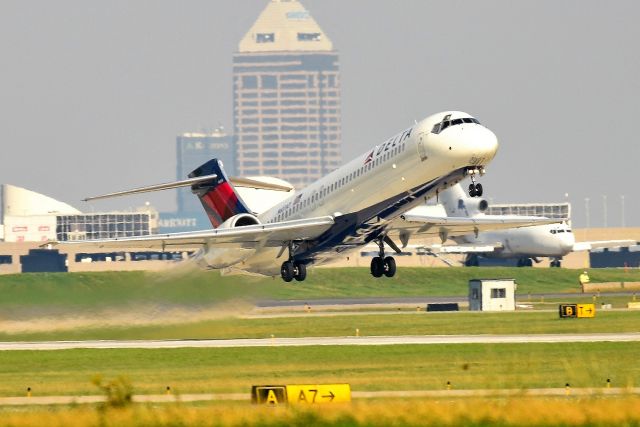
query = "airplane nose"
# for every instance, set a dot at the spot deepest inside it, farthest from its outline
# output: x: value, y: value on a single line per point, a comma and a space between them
x: 487, y: 143
x: 477, y: 145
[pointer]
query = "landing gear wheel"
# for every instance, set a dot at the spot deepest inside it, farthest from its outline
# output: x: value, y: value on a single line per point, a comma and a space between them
x: 555, y: 263
x: 525, y: 262
x: 300, y: 272
x: 478, y: 190
x: 389, y: 266
x: 472, y: 190
x: 286, y: 271
x: 377, y: 267
x: 472, y: 261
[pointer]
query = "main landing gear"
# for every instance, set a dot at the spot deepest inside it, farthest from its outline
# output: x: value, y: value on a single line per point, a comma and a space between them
x: 525, y: 262
x: 293, y: 269
x: 555, y: 263
x: 381, y: 265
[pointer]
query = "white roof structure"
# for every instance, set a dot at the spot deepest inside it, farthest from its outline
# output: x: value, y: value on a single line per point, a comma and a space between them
x: 17, y: 201
x: 285, y: 26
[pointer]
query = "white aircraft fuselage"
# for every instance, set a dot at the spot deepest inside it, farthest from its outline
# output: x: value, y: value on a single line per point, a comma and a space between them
x: 367, y: 193
x: 549, y: 240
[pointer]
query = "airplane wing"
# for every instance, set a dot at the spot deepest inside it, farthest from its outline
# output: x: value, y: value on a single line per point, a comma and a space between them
x: 416, y: 224
x: 587, y: 246
x: 240, y: 237
x: 465, y: 249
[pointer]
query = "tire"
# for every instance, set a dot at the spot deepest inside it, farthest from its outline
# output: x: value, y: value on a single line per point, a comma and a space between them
x: 377, y: 267
x: 389, y: 266
x: 301, y: 272
x: 528, y: 262
x: 479, y: 190
x: 472, y: 261
x: 472, y: 190
x: 286, y: 271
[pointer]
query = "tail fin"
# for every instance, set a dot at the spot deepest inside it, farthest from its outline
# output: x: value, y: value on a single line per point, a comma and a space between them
x: 219, y: 199
x: 458, y: 204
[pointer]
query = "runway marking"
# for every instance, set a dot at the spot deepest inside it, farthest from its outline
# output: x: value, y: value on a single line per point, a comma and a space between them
x: 210, y: 397
x: 319, y: 341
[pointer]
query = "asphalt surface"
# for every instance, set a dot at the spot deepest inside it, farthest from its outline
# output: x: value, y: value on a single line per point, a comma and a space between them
x: 425, y: 300
x: 208, y: 397
x: 316, y: 341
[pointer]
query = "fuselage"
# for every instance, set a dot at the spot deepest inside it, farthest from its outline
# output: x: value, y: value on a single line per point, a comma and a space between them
x: 390, y: 178
x: 551, y: 240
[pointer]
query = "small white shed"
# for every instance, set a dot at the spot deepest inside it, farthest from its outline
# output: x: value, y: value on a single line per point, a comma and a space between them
x: 492, y: 295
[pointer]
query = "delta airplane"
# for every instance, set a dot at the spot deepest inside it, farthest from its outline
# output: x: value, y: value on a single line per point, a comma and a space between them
x: 526, y: 244
x: 358, y: 203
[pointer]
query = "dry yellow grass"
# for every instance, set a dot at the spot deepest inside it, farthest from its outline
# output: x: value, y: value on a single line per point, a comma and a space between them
x: 519, y: 411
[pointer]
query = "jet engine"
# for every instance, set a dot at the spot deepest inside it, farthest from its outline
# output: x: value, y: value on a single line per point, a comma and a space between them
x: 240, y: 220
x: 221, y: 255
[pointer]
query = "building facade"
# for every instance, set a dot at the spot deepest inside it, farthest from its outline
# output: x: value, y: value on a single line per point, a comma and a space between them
x: 286, y: 94
x: 195, y: 149
x: 28, y: 216
x: 549, y: 210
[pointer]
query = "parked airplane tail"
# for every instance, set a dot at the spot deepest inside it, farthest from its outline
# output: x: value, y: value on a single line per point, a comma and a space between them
x: 217, y: 195
x: 458, y: 204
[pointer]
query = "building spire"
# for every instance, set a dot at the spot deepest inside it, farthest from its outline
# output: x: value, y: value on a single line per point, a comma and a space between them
x: 285, y: 26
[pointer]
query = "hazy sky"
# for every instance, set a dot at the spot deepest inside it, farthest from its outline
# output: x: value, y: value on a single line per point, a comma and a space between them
x: 93, y: 93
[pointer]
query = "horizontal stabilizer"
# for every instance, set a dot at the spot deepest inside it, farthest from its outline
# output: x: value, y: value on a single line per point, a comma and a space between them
x: 236, y: 181
x: 156, y: 187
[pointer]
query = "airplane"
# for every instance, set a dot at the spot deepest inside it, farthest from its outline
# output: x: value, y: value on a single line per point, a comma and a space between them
x: 526, y: 244
x: 363, y: 201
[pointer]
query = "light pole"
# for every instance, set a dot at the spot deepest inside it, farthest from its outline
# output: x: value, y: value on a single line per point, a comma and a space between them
x: 586, y: 214
x: 604, y: 210
x: 622, y: 222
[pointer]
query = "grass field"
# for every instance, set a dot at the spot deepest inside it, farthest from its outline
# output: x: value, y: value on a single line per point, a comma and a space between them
x: 366, y: 368
x: 596, y: 411
x: 413, y: 323
x: 205, y: 305
x: 179, y: 304
x: 96, y: 290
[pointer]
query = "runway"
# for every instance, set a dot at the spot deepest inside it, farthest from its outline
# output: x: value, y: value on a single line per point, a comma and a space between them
x: 520, y: 298
x: 324, y: 341
x: 383, y: 394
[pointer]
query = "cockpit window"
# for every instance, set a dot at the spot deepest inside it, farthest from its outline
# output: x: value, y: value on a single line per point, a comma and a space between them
x: 439, y: 127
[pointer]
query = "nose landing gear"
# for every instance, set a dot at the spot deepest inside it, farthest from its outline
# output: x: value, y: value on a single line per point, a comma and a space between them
x: 475, y: 189
x: 381, y: 265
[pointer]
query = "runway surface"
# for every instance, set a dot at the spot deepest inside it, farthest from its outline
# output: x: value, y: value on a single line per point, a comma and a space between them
x: 316, y: 341
x: 209, y: 397
x: 521, y: 298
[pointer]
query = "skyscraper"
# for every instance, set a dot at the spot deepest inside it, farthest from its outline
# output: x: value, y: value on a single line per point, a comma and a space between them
x: 286, y: 87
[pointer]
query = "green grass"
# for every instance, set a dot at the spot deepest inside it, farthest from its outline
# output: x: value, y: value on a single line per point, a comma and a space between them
x: 95, y: 290
x: 534, y: 322
x: 400, y: 367
x: 469, y: 412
